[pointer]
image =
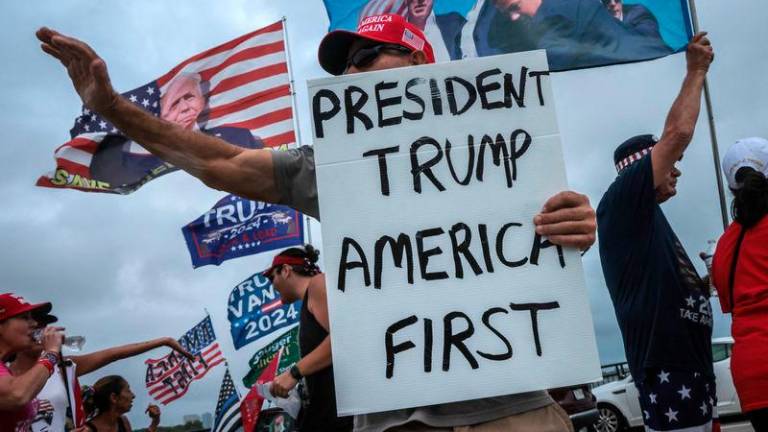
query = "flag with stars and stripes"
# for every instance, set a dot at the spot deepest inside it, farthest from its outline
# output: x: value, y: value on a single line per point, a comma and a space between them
x: 239, y: 91
x: 169, y: 378
x: 227, y: 417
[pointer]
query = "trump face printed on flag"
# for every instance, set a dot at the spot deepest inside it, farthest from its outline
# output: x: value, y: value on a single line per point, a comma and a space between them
x: 183, y: 101
x: 237, y: 92
x: 126, y: 165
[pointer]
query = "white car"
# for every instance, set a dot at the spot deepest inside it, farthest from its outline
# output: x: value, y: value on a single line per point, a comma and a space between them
x: 619, y: 407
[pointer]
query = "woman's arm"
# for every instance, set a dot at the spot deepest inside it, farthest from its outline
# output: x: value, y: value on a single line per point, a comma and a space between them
x: 154, y: 413
x: 320, y: 357
x: 17, y: 391
x: 317, y: 360
x: 90, y: 362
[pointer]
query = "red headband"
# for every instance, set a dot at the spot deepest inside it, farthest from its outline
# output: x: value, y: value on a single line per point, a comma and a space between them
x: 283, y: 259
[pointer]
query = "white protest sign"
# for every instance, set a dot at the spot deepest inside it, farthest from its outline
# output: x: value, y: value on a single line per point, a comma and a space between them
x: 439, y: 289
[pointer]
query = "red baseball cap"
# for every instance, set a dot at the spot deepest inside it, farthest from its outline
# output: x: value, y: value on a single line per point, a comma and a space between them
x: 279, y: 260
x: 387, y: 28
x: 12, y: 305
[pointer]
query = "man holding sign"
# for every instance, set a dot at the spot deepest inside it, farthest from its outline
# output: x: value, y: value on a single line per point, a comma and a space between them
x: 382, y: 42
x: 450, y: 120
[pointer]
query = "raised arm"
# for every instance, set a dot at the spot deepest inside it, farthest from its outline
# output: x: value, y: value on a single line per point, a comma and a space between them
x: 682, y: 117
x: 90, y: 362
x: 153, y: 411
x: 220, y: 165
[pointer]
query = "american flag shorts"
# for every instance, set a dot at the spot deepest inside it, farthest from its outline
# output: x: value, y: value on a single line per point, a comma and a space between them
x: 677, y: 401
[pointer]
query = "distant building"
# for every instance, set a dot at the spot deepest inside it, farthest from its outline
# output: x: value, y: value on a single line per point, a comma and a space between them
x: 207, y: 420
x: 191, y: 418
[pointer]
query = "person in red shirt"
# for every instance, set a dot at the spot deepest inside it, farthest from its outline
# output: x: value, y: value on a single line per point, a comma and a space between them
x: 52, y: 413
x: 740, y: 274
x: 17, y: 392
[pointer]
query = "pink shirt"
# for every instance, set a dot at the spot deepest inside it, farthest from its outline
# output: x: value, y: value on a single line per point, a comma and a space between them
x: 18, y: 419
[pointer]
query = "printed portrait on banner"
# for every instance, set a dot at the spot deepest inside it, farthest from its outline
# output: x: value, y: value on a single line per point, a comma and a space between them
x: 576, y: 33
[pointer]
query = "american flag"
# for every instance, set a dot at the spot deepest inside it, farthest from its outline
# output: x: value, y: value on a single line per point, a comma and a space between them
x: 244, y: 86
x: 44, y: 413
x: 227, y: 414
x: 169, y: 378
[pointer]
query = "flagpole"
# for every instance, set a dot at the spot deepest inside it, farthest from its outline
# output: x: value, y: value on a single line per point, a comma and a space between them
x: 308, y: 228
x: 296, y: 125
x: 712, y: 129
x: 290, y: 78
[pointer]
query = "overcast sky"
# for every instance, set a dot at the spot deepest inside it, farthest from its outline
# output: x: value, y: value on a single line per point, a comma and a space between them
x: 116, y: 267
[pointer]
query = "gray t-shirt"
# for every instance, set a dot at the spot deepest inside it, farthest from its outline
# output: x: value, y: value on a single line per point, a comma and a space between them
x: 295, y: 181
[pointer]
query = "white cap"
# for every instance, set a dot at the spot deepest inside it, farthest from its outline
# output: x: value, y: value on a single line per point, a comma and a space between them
x: 746, y: 152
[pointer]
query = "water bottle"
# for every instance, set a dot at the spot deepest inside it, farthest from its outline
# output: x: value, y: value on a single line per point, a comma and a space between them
x: 72, y: 343
x: 707, y: 256
x: 710, y: 252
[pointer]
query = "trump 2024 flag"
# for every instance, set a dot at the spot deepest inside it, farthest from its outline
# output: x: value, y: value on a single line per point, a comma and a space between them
x: 237, y: 227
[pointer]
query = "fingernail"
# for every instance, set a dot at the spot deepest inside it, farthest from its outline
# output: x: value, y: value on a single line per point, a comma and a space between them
x: 537, y: 220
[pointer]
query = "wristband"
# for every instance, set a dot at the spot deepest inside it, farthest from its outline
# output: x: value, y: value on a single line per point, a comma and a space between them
x: 53, y: 356
x: 49, y: 360
x: 296, y: 373
x: 48, y: 365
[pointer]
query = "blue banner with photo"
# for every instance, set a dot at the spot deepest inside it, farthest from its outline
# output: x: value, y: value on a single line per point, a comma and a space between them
x: 576, y: 33
x: 255, y: 311
x: 237, y: 227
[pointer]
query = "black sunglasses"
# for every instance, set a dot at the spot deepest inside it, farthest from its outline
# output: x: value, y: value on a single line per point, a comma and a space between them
x: 270, y: 274
x: 365, y: 56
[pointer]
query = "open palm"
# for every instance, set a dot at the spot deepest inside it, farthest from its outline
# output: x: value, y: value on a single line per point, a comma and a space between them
x: 86, y: 69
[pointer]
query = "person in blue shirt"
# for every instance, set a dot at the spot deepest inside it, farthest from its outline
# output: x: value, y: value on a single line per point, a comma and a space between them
x: 661, y: 303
